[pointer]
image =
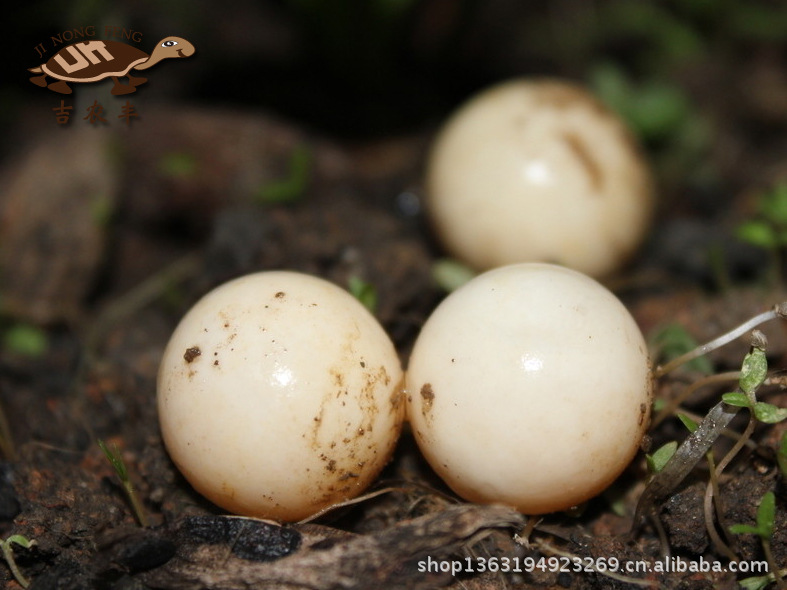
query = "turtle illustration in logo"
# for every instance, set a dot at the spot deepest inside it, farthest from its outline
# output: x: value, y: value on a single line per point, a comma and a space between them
x: 96, y: 60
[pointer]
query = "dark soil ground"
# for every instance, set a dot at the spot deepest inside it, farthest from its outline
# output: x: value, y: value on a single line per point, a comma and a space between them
x: 109, y: 233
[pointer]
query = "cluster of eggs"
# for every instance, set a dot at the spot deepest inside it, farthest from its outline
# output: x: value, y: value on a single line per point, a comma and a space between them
x: 279, y: 394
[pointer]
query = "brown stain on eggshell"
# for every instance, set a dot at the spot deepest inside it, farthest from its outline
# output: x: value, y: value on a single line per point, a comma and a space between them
x: 397, y: 397
x: 427, y: 400
x: 585, y: 158
x: 355, y: 446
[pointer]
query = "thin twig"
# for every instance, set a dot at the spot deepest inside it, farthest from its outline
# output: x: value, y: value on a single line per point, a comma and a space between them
x: 524, y: 538
x: 778, y: 311
x: 350, y: 502
x: 711, y: 492
x: 777, y: 574
x: 116, y: 460
x: 662, y: 534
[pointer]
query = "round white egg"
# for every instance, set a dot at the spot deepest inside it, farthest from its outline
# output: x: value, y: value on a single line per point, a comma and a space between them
x: 529, y: 386
x: 538, y: 170
x: 279, y: 394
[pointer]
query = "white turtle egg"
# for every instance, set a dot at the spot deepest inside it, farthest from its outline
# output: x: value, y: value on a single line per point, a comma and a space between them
x: 279, y: 394
x: 538, y: 171
x: 529, y: 386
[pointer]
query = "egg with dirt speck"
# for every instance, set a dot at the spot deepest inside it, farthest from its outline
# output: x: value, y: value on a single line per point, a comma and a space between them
x: 279, y: 395
x: 529, y: 386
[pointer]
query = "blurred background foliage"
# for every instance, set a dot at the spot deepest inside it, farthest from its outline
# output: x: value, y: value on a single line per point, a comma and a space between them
x: 396, y: 61
x: 368, y: 68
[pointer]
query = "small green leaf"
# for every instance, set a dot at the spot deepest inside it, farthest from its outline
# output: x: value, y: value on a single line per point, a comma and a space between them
x: 363, y: 292
x: 20, y: 540
x: 8, y: 554
x: 768, y: 413
x: 773, y: 205
x: 122, y: 472
x: 619, y: 507
x: 738, y: 399
x: 766, y: 514
x: 756, y: 582
x: 115, y: 460
x: 659, y: 404
x: 661, y: 456
x: 293, y: 187
x: 659, y: 109
x: 744, y: 529
x: 754, y: 370
x: 181, y: 165
x: 688, y: 422
x: 25, y: 340
x: 758, y: 233
x: 616, y: 500
x: 612, y: 86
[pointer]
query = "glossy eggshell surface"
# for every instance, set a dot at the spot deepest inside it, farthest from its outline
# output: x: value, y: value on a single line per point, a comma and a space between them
x: 279, y: 394
x: 538, y: 171
x: 529, y: 386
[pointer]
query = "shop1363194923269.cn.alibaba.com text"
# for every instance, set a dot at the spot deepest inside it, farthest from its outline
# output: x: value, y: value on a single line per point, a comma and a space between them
x: 577, y: 564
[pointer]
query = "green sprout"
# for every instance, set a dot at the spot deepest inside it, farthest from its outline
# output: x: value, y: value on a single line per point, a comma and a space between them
x: 8, y: 554
x: 753, y: 373
x: 122, y: 472
x: 690, y: 424
x: 180, y: 165
x: 363, y: 292
x: 768, y: 228
x: 291, y: 188
x: 754, y: 370
x: 757, y: 582
x: 672, y: 465
x: 766, y: 515
x: 661, y: 456
x: 711, y: 490
x: 660, y: 112
x: 25, y: 340
x: 766, y: 413
x: 654, y: 109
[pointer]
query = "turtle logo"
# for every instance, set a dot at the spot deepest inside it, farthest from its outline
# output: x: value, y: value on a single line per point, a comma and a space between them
x: 96, y: 60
